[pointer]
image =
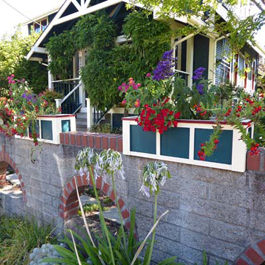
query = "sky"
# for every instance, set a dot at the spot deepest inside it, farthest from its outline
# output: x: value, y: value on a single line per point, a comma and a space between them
x: 9, y: 18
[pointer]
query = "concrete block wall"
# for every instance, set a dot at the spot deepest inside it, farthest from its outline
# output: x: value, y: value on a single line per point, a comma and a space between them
x: 218, y: 211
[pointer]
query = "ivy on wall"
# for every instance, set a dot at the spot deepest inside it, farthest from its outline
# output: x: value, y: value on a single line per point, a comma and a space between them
x: 108, y: 64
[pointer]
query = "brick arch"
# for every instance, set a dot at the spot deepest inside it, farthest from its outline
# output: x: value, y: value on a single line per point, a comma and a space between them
x: 6, y: 160
x: 69, y: 202
x: 253, y: 255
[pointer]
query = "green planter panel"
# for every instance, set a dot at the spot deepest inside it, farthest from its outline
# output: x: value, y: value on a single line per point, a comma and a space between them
x: 46, y: 130
x: 223, y: 153
x: 141, y: 141
x: 176, y: 142
x: 66, y: 126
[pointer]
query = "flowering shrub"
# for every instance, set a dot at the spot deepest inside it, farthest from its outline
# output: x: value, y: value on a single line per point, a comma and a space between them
x: 164, y: 97
x: 20, y: 110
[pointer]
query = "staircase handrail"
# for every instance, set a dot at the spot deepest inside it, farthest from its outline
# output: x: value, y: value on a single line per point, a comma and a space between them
x: 66, y: 80
x: 71, y: 92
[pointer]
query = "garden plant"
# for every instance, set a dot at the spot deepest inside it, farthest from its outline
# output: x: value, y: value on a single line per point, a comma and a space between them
x: 164, y: 98
x: 20, y: 109
x: 123, y: 248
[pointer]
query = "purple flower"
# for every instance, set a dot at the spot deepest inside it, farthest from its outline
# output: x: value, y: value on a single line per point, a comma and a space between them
x: 164, y: 68
x: 198, y: 73
x: 24, y: 96
x: 200, y: 89
x: 22, y: 112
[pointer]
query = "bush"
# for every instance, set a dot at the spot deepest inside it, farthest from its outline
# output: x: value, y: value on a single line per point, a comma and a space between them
x: 18, y: 237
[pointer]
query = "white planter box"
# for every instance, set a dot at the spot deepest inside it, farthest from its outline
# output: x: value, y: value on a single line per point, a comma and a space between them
x: 50, y: 126
x: 181, y: 144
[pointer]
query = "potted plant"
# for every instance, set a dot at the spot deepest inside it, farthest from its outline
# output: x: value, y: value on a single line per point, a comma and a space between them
x: 220, y: 122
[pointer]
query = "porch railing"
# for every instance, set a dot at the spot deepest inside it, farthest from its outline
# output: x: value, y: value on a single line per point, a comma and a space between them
x: 70, y: 90
x: 183, y: 75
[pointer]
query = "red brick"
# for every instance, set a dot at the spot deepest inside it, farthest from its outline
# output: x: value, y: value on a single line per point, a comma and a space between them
x: 241, y: 262
x: 22, y: 185
x: 99, y: 183
x: 66, y: 193
x: 261, y: 246
x: 120, y: 144
x: 105, y: 142
x: 112, y: 143
x: 61, y: 138
x: 19, y: 177
x: 112, y: 196
x: 61, y: 214
x: 70, y: 207
x: 79, y: 181
x: 71, y: 213
x: 98, y: 142
x: 62, y: 207
x: 125, y: 214
x: 69, y: 187
x: 72, y: 136
x: 63, y: 200
x: 254, y: 256
x: 128, y: 225
x: 84, y: 179
x: 106, y: 187
x: 91, y: 141
x: 78, y: 140
x: 66, y: 138
x: 13, y: 165
x: 121, y: 203
x: 84, y: 141
x: 17, y: 171
x: 253, y: 162
x: 72, y: 198
x: 73, y: 183
x: 7, y: 157
x: 24, y: 198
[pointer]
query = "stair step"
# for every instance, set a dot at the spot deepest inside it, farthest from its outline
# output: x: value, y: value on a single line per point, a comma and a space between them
x: 81, y: 122
x: 81, y: 115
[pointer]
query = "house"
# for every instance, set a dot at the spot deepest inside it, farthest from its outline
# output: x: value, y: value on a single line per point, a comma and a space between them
x: 39, y: 23
x: 193, y: 51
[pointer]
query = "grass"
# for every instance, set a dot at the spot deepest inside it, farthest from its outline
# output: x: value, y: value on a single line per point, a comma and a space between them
x: 18, y: 237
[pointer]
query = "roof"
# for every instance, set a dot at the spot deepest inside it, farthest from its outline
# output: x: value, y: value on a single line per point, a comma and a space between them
x: 72, y: 10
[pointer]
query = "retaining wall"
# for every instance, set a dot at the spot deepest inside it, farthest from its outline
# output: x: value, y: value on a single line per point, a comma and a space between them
x: 219, y: 211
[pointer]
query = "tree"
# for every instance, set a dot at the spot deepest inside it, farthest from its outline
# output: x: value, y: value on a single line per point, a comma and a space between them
x: 12, y: 61
x: 238, y: 31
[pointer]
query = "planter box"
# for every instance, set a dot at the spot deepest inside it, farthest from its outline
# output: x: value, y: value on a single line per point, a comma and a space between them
x: 49, y: 127
x: 181, y: 144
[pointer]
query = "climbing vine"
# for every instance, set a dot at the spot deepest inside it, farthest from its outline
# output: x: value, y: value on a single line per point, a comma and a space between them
x: 107, y: 64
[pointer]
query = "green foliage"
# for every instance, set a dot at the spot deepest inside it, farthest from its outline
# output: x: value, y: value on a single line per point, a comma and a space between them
x: 105, y: 128
x: 18, y: 237
x: 51, y: 95
x: 12, y: 61
x: 61, y: 49
x: 149, y: 40
x: 108, y: 64
x: 239, y: 32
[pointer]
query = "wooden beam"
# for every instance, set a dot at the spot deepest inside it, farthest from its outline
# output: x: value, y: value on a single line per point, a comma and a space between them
x: 50, y: 26
x: 78, y: 7
x: 89, y: 10
x: 87, y: 3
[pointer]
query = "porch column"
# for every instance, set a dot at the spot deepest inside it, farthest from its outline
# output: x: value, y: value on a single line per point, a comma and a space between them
x: 189, y: 60
x: 50, y: 77
x: 211, y: 62
x: 89, y: 114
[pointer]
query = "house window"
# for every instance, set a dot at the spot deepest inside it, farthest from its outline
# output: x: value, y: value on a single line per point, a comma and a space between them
x: 41, y: 25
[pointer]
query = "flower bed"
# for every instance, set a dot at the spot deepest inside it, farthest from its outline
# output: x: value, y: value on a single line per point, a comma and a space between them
x: 49, y: 127
x: 182, y: 144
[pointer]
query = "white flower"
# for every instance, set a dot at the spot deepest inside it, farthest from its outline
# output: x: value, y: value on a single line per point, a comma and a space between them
x: 145, y: 191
